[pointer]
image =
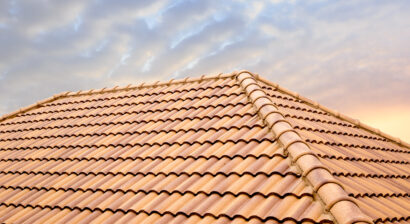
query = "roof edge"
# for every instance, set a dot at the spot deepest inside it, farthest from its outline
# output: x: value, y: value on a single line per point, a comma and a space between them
x: 114, y: 89
x: 335, y: 113
x: 330, y: 191
x: 32, y: 106
x: 155, y: 84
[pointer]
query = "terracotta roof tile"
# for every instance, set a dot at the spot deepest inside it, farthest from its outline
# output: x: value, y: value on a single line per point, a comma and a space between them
x: 229, y: 148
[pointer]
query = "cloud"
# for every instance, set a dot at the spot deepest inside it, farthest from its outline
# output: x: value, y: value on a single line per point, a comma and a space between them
x: 345, y: 54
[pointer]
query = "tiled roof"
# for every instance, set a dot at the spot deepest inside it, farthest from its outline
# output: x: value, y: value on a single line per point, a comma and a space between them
x: 227, y: 148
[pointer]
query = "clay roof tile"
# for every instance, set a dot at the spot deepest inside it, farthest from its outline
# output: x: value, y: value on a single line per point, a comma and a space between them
x: 226, y: 148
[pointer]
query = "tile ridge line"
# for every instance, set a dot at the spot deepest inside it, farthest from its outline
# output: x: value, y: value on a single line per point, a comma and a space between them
x: 114, y: 89
x: 336, y: 113
x: 151, y: 85
x: 330, y: 191
x: 36, y: 105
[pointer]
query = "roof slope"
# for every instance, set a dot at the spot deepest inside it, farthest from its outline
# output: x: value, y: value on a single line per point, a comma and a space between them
x: 229, y: 148
x: 371, y: 166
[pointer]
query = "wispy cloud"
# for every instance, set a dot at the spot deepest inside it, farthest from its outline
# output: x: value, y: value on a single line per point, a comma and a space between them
x: 353, y: 56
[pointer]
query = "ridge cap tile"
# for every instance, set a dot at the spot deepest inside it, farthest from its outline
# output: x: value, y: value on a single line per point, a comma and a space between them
x: 330, y: 190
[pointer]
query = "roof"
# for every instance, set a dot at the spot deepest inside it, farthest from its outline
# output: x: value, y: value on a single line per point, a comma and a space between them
x: 228, y: 148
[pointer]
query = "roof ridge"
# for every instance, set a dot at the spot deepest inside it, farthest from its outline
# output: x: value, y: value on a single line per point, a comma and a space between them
x: 114, y: 89
x: 330, y: 191
x: 32, y: 106
x: 155, y: 84
x: 335, y: 113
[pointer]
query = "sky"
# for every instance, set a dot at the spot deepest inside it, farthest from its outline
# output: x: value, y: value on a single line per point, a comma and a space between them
x: 352, y: 56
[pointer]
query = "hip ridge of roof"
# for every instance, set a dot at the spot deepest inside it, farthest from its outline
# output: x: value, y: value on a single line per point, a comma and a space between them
x: 330, y: 191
